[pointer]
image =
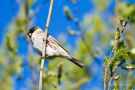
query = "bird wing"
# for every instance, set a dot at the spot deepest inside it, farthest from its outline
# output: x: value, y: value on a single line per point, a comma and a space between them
x: 55, y: 44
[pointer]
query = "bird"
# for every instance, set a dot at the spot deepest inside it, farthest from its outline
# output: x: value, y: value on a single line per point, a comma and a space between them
x: 53, y: 47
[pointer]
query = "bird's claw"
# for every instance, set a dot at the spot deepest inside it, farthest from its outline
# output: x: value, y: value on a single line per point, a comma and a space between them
x: 43, y: 57
x: 44, y: 40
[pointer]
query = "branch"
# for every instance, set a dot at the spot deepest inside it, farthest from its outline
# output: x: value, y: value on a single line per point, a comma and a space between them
x: 44, y: 44
x: 105, y: 75
x: 38, y: 8
x: 117, y: 38
x: 31, y: 65
x: 13, y: 8
x: 111, y: 78
x: 79, y: 32
x: 124, y: 23
x: 59, y: 73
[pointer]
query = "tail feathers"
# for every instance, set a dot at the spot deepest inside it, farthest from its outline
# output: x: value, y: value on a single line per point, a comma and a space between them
x: 77, y: 62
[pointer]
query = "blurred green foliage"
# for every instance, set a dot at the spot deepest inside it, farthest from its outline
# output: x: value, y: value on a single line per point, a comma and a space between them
x: 102, y: 6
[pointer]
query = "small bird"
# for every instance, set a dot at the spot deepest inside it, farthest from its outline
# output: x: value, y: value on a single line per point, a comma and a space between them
x: 53, y: 48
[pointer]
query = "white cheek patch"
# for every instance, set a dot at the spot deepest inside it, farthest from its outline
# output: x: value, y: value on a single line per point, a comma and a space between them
x: 29, y: 34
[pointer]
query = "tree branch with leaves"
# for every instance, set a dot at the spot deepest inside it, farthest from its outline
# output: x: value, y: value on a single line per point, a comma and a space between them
x: 120, y: 54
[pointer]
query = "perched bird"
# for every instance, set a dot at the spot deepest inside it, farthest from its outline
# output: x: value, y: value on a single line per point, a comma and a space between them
x: 53, y: 47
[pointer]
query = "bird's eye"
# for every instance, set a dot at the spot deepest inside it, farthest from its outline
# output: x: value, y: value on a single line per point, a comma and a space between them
x: 30, y: 30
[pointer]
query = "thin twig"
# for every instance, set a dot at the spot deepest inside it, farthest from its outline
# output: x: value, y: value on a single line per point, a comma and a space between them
x: 59, y: 73
x: 116, y: 13
x: 117, y: 41
x: 113, y: 71
x: 76, y: 21
x: 117, y: 38
x: 13, y: 8
x: 110, y: 83
x: 31, y: 65
x: 106, y: 68
x: 38, y: 8
x: 44, y: 44
x: 29, y: 47
x: 116, y: 1
x: 111, y: 78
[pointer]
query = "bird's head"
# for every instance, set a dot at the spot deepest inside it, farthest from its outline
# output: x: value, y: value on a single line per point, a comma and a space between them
x: 32, y: 30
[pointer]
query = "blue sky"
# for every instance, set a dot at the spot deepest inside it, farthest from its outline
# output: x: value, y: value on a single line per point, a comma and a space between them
x: 58, y: 26
x: 58, y: 22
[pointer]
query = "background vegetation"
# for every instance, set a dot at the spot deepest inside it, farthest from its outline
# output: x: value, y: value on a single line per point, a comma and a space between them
x: 94, y: 36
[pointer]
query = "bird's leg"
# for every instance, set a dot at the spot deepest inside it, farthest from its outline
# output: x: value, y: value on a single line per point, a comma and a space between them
x: 44, y: 40
x: 43, y: 57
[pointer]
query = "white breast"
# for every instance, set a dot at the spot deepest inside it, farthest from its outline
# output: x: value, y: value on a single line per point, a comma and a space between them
x: 38, y: 46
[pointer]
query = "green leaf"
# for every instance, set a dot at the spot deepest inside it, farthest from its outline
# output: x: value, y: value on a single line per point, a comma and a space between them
x: 120, y: 55
x: 106, y: 59
x: 117, y: 77
x: 117, y: 32
x: 71, y: 32
x: 128, y: 67
x: 100, y: 6
x: 67, y: 13
x: 121, y: 44
x: 122, y: 20
x: 115, y: 88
